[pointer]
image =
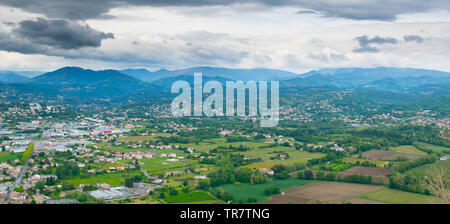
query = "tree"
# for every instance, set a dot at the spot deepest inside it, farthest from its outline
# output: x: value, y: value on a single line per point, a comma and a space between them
x: 320, y: 175
x: 438, y: 183
x: 308, y: 174
x: 173, y: 192
x: 40, y: 186
x: 252, y: 199
x: 129, y: 182
x: 204, y: 185
x: 185, y: 183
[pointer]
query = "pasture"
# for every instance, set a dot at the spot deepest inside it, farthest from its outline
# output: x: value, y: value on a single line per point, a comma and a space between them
x: 434, y: 148
x: 421, y: 171
x: 160, y: 165
x: 389, y: 155
x: 392, y: 196
x: 378, y: 163
x: 113, y: 179
x: 7, y: 156
x: 194, y: 196
x: 244, y: 191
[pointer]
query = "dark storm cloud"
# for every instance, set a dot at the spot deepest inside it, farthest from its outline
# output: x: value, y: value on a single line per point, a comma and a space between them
x: 350, y: 9
x: 60, y: 33
x: 366, y: 42
x: 50, y: 37
x: 415, y: 38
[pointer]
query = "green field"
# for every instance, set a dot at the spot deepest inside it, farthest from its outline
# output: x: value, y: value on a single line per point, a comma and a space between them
x: 195, y: 196
x: 5, y: 156
x: 160, y: 165
x: 210, y: 144
x: 294, y: 155
x: 209, y: 202
x: 257, y: 190
x: 400, y: 197
x: 113, y: 179
x: 421, y: 171
x: 434, y: 148
x: 379, y: 163
x: 409, y: 149
x: 338, y: 167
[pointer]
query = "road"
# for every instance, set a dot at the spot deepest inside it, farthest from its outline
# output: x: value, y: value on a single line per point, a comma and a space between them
x: 18, y: 180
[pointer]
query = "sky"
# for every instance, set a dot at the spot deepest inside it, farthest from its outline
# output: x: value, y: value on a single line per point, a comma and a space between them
x: 293, y: 35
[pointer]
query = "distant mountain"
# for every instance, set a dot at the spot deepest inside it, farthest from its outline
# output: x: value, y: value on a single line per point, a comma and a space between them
x: 166, y: 83
x: 256, y: 74
x: 381, y: 78
x: 378, y: 72
x: 141, y: 74
x: 85, y: 83
x: 11, y: 77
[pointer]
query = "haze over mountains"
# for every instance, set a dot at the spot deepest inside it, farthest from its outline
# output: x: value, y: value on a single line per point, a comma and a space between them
x: 73, y: 82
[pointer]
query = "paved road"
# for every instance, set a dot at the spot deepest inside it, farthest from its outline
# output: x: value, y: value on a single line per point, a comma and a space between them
x: 18, y: 180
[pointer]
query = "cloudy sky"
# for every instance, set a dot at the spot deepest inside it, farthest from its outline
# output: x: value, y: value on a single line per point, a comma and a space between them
x: 294, y: 35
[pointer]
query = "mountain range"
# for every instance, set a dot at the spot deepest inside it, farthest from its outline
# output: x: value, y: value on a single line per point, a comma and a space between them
x: 111, y: 85
x: 232, y: 74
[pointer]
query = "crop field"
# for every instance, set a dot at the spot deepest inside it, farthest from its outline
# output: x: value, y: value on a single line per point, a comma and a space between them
x: 433, y: 147
x: 367, y: 171
x: 409, y: 149
x: 195, y: 196
x: 245, y: 191
x: 337, y: 167
x: 421, y: 171
x: 5, y: 156
x: 113, y: 179
x: 389, y: 155
x: 400, y: 197
x: 332, y: 192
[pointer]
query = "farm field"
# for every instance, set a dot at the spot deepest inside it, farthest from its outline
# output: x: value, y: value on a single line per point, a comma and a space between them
x: 160, y: 165
x: 378, y: 163
x: 209, y: 202
x: 244, y: 191
x: 138, y: 201
x: 195, y: 196
x: 141, y: 138
x: 367, y: 171
x: 409, y: 149
x: 259, y: 165
x: 388, y: 155
x: 337, y: 167
x: 332, y: 192
x: 210, y: 144
x: 295, y: 156
x: 113, y: 179
x: 434, y: 148
x: 421, y: 171
x: 5, y: 156
x: 400, y: 197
